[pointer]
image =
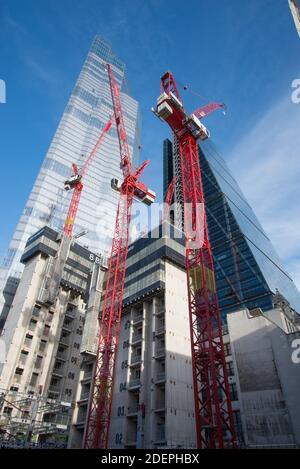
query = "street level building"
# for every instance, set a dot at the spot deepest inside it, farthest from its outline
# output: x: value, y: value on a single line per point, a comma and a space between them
x: 153, y: 394
x: 153, y: 403
x: 43, y: 335
x: 264, y: 377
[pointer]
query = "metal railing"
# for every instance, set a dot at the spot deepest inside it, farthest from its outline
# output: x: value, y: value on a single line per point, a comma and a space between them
x: 67, y: 328
x: 73, y: 300
x: 161, y: 376
x: 87, y: 375
x: 71, y: 312
x: 65, y: 339
x: 137, y: 337
x: 56, y: 389
x: 84, y: 395
x: 137, y: 318
x: 59, y: 370
x: 133, y: 409
x: 135, y: 359
x: 160, y: 434
x: 81, y: 418
x: 159, y: 351
x: 62, y: 355
x: 134, y: 382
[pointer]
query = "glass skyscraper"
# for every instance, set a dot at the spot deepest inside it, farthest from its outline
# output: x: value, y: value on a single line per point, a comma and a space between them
x: 248, y: 269
x: 295, y: 9
x: 88, y: 110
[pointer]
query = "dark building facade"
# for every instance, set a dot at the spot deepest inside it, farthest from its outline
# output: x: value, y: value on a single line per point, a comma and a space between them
x: 167, y: 165
x: 248, y: 269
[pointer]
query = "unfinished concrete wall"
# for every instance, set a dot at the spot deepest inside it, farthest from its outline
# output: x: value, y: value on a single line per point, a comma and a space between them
x: 16, y: 324
x: 180, y: 419
x: 289, y: 375
x: 263, y: 403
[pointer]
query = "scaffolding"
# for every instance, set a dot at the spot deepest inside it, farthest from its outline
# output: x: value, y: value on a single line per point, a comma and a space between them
x: 33, y: 421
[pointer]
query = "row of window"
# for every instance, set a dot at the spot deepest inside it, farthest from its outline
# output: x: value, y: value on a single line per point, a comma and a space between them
x: 103, y: 51
x: 86, y: 96
x: 94, y: 122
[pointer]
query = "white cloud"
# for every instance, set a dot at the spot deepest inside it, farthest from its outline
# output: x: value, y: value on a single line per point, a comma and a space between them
x: 266, y: 163
x: 33, y: 57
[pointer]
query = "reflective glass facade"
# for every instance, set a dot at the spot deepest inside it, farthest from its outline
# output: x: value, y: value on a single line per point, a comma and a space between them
x: 248, y: 269
x: 295, y: 9
x: 88, y: 110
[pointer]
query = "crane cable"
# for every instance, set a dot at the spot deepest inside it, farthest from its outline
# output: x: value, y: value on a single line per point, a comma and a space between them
x: 187, y: 87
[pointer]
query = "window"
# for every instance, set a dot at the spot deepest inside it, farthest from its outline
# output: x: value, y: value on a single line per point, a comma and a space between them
x: 28, y: 340
x: 237, y: 421
x: 23, y: 356
x: 68, y: 322
x: 32, y: 324
x: 42, y: 346
x: 54, y: 382
x: 34, y: 378
x: 230, y: 369
x: 7, y: 411
x: 36, y: 311
x: 58, y: 365
x: 233, y: 392
x: 9, y: 258
x: 25, y: 414
x: 227, y: 349
x: 56, y: 166
x: 38, y: 362
x: 49, y: 317
x: 46, y: 331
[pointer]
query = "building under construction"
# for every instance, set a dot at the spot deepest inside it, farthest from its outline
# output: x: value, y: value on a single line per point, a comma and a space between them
x: 152, y: 405
x: 133, y: 353
x: 43, y: 336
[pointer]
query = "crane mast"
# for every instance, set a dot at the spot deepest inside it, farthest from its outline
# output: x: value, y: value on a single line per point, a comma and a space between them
x: 99, y: 409
x: 213, y: 410
x: 126, y: 165
x: 75, y: 183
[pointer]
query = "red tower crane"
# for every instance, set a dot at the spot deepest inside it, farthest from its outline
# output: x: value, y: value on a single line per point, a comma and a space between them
x: 75, y: 183
x: 54, y: 275
x: 99, y: 410
x: 213, y: 410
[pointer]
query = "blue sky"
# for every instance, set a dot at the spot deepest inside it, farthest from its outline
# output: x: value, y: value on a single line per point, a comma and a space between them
x: 243, y: 53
